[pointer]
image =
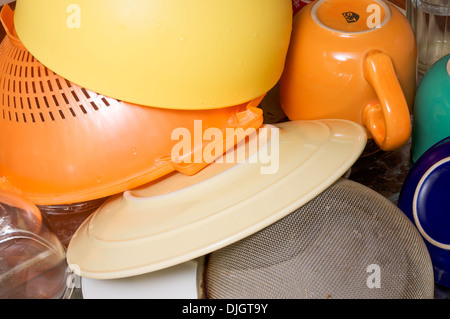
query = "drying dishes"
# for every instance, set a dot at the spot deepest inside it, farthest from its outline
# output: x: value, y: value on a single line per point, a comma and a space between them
x: 424, y: 198
x: 349, y: 242
x: 195, y: 54
x: 63, y: 144
x: 181, y: 217
x: 32, y: 259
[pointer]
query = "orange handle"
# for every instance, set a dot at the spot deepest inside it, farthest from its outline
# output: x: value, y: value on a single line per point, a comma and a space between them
x: 7, y: 20
x: 388, y: 120
x: 251, y: 118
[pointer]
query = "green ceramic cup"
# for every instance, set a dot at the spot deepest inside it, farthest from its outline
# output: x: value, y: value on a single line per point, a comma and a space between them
x: 431, y: 114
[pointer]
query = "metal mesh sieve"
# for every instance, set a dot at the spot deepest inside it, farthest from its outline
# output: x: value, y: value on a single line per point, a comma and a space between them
x: 349, y: 242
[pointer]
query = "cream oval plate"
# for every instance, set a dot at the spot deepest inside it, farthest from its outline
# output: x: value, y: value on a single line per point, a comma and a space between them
x: 179, y: 218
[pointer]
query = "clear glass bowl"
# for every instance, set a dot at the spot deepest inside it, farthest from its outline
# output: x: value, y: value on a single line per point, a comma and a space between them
x: 32, y: 258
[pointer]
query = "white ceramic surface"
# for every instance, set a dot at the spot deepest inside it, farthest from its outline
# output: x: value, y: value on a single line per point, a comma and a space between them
x: 177, y: 282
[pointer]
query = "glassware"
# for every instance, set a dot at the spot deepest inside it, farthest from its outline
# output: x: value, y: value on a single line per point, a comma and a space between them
x: 430, y: 20
x: 32, y: 259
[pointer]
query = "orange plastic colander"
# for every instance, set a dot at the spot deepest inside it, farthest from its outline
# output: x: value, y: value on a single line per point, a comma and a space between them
x: 62, y: 144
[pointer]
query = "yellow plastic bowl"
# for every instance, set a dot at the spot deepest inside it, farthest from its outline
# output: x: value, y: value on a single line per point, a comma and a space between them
x: 196, y: 54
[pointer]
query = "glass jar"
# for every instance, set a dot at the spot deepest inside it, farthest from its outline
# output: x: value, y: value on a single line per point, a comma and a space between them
x: 430, y: 20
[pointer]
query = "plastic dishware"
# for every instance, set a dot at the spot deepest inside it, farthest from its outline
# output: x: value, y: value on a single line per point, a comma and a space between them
x: 173, y: 54
x: 180, y: 217
x: 64, y: 144
x: 431, y: 118
x: 176, y: 282
x: 424, y: 198
x: 356, y: 71
x: 349, y: 242
x: 32, y: 259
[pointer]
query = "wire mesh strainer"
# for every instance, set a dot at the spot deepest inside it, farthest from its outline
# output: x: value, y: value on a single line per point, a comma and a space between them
x: 349, y: 242
x: 62, y: 144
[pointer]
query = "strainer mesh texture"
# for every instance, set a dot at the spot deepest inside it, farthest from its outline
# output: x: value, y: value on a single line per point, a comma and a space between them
x: 349, y: 242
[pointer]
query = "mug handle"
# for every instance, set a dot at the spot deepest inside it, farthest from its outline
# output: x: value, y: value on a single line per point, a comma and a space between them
x: 387, y: 120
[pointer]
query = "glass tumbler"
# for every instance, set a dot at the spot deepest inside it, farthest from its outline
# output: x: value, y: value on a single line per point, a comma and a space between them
x: 430, y: 20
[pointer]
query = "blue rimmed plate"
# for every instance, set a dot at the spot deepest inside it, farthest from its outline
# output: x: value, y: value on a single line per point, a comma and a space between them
x: 425, y: 199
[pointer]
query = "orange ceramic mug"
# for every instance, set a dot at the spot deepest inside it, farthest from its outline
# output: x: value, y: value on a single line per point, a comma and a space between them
x: 353, y: 60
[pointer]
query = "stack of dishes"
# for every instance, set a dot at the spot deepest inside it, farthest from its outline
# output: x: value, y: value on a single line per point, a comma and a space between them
x: 112, y: 109
x: 94, y: 118
x: 179, y: 217
x: 424, y: 194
